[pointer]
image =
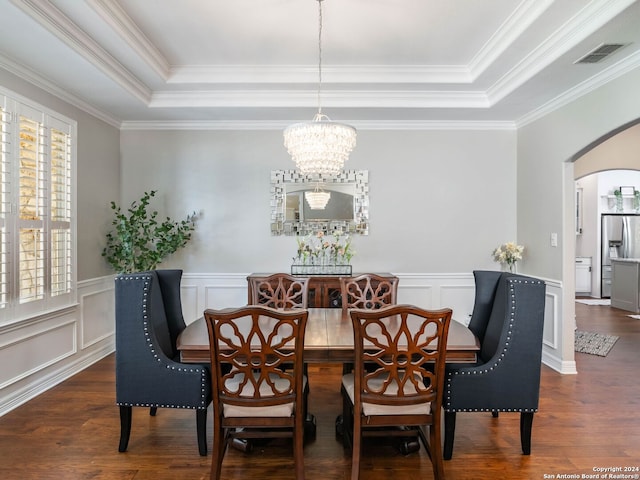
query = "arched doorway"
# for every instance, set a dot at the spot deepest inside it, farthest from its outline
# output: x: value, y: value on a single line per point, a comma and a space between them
x: 614, y: 155
x: 611, y: 161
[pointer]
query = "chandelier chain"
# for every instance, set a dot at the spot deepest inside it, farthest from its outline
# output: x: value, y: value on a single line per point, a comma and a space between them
x: 319, y: 56
x: 319, y: 147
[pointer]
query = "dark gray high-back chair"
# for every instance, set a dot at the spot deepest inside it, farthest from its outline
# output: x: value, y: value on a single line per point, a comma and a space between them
x: 486, y: 284
x: 506, y: 377
x: 148, y: 373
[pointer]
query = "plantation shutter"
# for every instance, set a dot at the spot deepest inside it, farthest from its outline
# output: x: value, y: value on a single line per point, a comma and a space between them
x: 37, y: 210
x: 5, y: 203
x: 31, y: 213
x: 60, y: 204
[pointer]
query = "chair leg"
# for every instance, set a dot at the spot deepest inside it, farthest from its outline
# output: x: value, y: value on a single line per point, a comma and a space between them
x: 153, y: 411
x: 309, y: 418
x: 347, y: 420
x: 298, y: 447
x: 526, y: 421
x: 449, y: 434
x: 435, y: 448
x: 201, y: 427
x: 219, y: 446
x: 356, y: 441
x: 125, y: 427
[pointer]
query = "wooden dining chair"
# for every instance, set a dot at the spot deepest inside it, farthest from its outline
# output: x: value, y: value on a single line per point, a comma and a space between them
x: 256, y: 397
x: 280, y: 290
x: 400, y: 390
x: 368, y: 291
x: 283, y: 291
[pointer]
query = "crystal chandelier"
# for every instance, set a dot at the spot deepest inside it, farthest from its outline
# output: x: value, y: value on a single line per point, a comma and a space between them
x: 320, y: 146
x: 317, y: 199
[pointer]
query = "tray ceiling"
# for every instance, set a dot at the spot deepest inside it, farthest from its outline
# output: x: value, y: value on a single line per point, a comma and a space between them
x: 254, y: 63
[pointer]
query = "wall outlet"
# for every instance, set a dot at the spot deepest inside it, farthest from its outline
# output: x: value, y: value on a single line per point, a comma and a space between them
x: 554, y: 239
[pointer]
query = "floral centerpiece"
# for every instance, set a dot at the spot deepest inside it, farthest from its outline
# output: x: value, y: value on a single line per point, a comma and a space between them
x: 508, y: 253
x: 323, y: 254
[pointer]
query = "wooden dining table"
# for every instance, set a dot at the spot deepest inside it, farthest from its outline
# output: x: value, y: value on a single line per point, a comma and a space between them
x: 328, y: 339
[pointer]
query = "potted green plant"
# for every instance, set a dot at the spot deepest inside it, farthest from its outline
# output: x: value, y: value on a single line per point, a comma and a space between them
x: 139, y: 242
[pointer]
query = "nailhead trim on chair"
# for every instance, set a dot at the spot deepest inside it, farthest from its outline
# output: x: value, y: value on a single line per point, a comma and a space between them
x: 511, y: 281
x: 202, y: 371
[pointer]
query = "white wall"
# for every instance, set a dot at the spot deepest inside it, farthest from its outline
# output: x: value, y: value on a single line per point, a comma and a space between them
x: 440, y: 201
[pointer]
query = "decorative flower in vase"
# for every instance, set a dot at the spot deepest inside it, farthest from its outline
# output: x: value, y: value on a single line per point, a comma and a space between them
x: 322, y: 249
x: 508, y: 253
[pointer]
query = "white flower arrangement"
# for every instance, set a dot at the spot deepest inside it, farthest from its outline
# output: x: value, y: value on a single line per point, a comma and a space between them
x: 508, y: 253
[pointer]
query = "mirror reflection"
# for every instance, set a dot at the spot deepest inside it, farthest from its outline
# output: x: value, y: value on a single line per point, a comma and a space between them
x: 303, y: 205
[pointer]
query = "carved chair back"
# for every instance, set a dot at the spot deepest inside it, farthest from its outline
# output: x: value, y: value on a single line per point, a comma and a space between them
x: 368, y: 291
x: 280, y: 290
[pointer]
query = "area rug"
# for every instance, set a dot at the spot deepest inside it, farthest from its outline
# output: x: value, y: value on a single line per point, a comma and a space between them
x: 594, y: 343
x: 596, y: 301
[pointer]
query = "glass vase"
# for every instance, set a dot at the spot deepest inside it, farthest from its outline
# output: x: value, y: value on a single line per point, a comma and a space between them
x: 619, y: 206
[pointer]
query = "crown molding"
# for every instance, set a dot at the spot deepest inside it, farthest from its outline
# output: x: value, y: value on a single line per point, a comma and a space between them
x: 32, y: 77
x: 517, y: 23
x: 113, y: 14
x: 589, y: 19
x: 309, y: 98
x: 281, y: 125
x: 616, y: 70
x: 346, y: 74
x: 68, y: 32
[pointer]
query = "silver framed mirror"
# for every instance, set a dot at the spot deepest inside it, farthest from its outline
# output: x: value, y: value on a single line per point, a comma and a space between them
x: 346, y: 211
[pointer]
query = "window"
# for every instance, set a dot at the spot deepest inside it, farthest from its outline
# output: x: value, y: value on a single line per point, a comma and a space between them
x: 37, y: 234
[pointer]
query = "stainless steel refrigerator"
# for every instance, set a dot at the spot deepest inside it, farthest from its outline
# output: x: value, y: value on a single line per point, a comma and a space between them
x: 620, y: 239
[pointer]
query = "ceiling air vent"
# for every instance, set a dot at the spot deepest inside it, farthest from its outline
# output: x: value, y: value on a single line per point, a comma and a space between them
x: 600, y: 53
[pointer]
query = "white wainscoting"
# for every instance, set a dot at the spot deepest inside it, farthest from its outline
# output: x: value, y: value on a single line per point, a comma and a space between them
x: 41, y: 352
x: 201, y: 291
x: 456, y: 291
x: 554, y: 336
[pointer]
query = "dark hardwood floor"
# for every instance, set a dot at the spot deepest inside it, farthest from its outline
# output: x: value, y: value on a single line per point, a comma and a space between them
x: 586, y: 421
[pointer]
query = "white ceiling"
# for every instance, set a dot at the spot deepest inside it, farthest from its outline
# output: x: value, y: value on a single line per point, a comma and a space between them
x: 254, y: 63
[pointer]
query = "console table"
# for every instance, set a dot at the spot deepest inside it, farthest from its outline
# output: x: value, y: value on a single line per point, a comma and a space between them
x: 324, y: 290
